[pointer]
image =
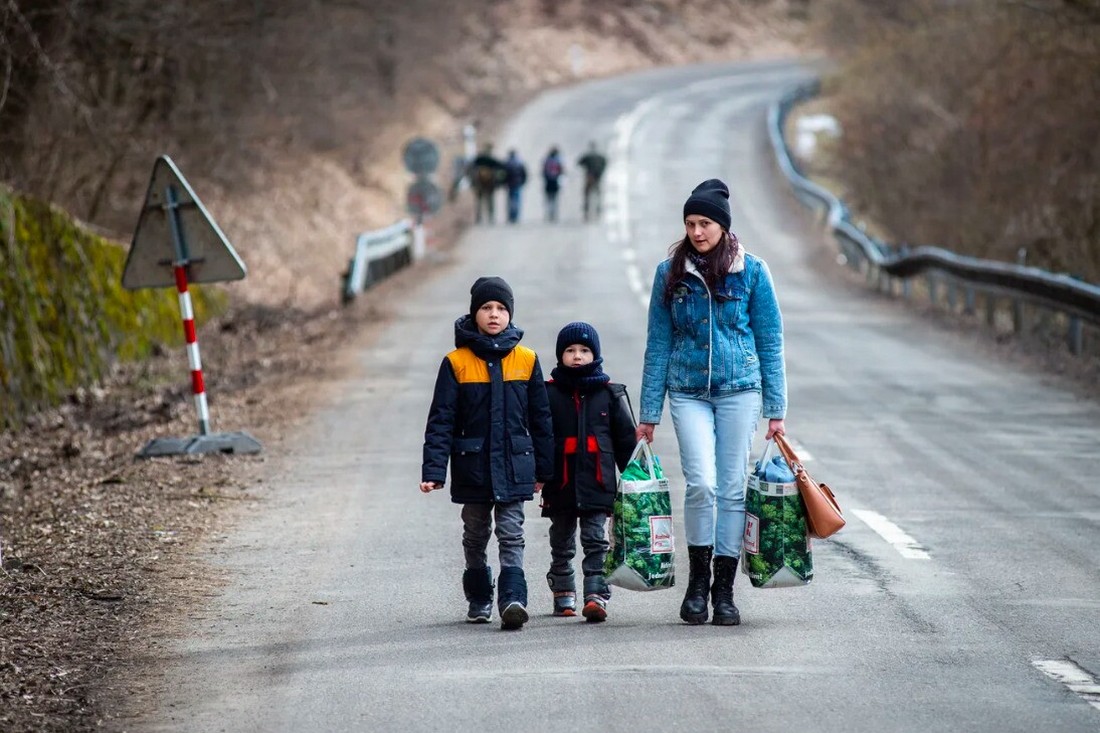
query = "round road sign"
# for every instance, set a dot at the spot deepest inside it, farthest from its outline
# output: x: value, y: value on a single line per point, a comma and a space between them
x: 421, y: 156
x: 424, y: 197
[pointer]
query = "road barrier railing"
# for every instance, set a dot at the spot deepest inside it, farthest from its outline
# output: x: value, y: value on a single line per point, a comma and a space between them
x: 380, y: 253
x: 887, y: 266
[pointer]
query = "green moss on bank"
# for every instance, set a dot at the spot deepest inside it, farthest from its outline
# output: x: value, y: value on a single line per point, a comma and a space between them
x: 64, y: 315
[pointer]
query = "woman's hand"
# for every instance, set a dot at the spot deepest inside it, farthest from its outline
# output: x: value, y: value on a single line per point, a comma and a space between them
x: 429, y: 486
x: 538, y: 486
x: 644, y: 430
x: 775, y: 426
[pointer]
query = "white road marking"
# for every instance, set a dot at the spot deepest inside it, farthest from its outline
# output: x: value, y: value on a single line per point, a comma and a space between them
x: 1076, y: 680
x: 893, y: 534
x: 634, y: 278
x: 617, y: 215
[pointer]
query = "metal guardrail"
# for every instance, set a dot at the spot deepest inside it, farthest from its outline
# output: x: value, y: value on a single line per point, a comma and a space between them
x: 1077, y: 299
x: 379, y: 254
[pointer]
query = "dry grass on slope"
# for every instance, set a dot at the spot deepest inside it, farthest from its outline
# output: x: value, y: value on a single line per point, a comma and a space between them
x: 289, y: 123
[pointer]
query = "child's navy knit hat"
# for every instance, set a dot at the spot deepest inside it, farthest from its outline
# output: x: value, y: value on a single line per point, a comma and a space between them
x: 491, y: 288
x: 578, y: 332
x: 711, y: 199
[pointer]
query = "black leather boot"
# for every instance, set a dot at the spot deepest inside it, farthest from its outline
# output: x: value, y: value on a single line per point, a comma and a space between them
x: 721, y: 593
x: 694, y: 608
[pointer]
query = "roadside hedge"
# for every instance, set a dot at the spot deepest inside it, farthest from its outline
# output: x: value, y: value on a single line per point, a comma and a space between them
x: 64, y: 316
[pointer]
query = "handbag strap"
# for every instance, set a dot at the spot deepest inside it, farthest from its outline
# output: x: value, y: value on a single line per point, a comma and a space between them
x: 788, y: 452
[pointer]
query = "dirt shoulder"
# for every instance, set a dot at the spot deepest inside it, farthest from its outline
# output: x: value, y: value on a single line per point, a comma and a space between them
x: 101, y: 552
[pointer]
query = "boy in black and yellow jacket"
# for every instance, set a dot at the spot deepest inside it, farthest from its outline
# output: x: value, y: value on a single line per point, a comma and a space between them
x: 490, y: 419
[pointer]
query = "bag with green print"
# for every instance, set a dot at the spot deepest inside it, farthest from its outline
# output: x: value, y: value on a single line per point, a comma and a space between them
x: 776, y: 550
x: 641, y: 553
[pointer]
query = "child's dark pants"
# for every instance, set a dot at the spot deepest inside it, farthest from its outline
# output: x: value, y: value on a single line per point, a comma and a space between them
x: 563, y: 547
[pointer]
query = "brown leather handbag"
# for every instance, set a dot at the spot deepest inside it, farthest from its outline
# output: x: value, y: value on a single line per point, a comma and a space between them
x: 823, y: 516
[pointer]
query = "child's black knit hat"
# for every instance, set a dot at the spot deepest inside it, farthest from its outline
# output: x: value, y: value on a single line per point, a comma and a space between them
x: 578, y: 332
x: 491, y: 288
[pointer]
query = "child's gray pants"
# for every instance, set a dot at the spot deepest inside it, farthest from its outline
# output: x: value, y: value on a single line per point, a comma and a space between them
x: 477, y: 525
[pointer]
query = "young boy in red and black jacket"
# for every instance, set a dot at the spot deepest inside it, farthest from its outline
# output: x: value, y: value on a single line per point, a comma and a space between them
x: 593, y: 433
x: 489, y: 419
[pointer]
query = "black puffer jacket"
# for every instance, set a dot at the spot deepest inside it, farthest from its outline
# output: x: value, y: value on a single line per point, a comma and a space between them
x: 489, y: 418
x: 593, y: 433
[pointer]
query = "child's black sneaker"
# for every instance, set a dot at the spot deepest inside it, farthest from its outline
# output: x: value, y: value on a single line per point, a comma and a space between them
x: 565, y: 603
x: 595, y: 609
x: 513, y: 616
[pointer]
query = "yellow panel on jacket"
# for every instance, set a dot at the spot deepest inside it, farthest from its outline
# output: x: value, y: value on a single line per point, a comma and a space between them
x: 469, y: 369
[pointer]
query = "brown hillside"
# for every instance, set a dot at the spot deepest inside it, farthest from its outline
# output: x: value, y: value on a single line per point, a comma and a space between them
x: 289, y: 122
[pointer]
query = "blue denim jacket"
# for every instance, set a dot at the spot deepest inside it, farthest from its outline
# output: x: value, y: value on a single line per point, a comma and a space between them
x: 717, y: 345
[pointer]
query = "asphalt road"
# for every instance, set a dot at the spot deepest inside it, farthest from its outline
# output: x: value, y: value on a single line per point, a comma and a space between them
x: 963, y: 595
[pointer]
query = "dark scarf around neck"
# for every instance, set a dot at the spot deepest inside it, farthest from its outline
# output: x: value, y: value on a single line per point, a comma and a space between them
x: 585, y: 378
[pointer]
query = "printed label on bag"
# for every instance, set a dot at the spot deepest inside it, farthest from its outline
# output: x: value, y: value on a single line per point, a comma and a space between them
x: 660, y: 535
x: 752, y: 534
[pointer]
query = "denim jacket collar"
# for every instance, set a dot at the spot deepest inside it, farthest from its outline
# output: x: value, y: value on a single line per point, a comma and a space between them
x: 738, y: 264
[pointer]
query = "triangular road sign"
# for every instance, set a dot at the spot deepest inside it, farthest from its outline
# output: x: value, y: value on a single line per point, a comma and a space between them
x: 155, y: 249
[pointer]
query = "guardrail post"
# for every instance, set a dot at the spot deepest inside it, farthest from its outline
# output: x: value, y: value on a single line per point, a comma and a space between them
x: 932, y: 290
x: 991, y: 310
x: 1076, y: 336
x: 1017, y: 315
x: 951, y: 295
x: 969, y: 305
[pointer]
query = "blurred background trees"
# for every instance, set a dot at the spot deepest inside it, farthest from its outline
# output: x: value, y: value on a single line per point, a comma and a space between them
x: 974, y: 126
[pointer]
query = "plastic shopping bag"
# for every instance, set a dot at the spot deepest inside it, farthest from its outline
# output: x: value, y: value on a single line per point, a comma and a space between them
x: 641, y: 553
x: 776, y: 550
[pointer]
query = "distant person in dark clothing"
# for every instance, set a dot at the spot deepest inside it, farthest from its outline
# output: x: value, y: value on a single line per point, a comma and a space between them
x: 515, y: 176
x: 552, y: 171
x: 486, y: 173
x: 593, y: 164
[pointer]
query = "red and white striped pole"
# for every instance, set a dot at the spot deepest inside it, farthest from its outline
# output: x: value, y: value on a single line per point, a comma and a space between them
x: 198, y: 388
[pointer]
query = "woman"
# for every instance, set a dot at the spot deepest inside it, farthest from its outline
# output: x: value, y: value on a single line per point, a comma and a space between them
x: 715, y: 345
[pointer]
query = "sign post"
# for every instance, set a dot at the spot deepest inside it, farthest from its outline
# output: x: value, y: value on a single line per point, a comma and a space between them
x: 176, y: 242
x: 421, y: 158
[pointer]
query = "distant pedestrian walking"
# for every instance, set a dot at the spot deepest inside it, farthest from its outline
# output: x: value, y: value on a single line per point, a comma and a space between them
x: 552, y: 171
x: 490, y: 421
x: 594, y: 164
x: 515, y: 176
x: 486, y: 174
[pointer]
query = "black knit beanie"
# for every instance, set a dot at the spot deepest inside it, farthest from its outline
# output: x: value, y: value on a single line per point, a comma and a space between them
x: 711, y: 199
x: 491, y: 288
x: 578, y: 332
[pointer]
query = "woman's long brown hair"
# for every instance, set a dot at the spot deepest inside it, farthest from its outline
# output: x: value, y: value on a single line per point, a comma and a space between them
x: 716, y: 263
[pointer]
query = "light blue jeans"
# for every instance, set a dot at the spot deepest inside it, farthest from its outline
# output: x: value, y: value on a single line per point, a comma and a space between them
x: 715, y: 436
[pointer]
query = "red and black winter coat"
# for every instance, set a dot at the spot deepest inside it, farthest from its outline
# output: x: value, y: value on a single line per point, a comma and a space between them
x: 489, y: 418
x: 593, y: 433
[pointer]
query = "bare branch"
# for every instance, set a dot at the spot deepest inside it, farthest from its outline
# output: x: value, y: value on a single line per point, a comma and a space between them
x: 44, y: 58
